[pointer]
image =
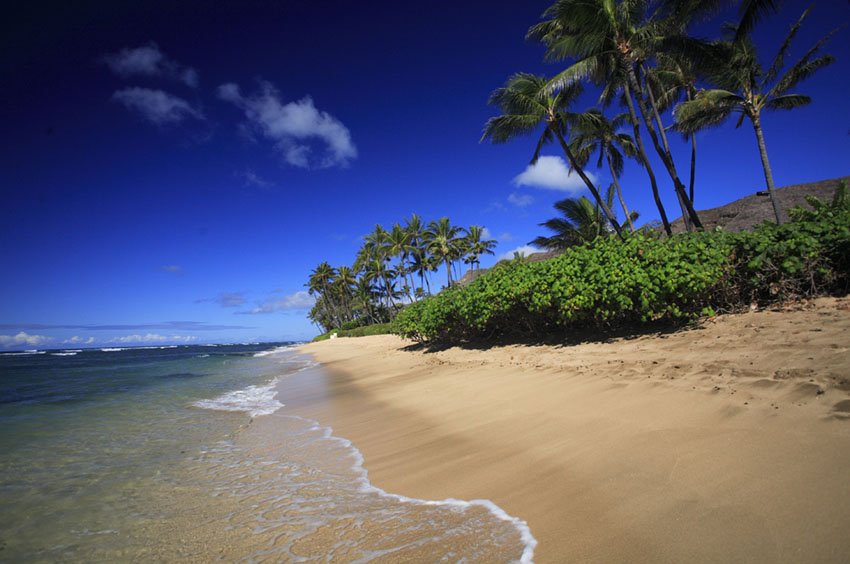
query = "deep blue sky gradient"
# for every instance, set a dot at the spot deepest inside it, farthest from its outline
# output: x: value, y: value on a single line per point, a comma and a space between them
x: 98, y: 202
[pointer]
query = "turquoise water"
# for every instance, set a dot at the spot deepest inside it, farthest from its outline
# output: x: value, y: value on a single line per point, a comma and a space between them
x: 188, y: 454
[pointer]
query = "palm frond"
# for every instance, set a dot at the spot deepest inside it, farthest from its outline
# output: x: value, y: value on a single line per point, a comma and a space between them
x: 779, y: 59
x: 799, y: 73
x: 710, y: 108
x: 788, y: 102
x: 753, y: 11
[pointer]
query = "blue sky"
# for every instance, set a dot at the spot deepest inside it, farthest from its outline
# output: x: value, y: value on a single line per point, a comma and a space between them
x: 172, y: 172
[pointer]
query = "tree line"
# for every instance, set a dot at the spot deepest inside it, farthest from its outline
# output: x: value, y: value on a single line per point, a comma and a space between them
x: 393, y: 267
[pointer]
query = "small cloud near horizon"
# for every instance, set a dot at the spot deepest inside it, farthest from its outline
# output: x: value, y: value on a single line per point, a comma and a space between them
x: 301, y: 300
x: 292, y: 125
x: 149, y: 60
x: 23, y: 338
x: 157, y: 106
x: 154, y: 338
x: 76, y: 340
x: 505, y: 237
x: 524, y: 250
x: 552, y: 173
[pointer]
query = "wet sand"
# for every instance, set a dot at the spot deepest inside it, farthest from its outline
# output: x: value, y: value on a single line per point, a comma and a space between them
x: 725, y: 442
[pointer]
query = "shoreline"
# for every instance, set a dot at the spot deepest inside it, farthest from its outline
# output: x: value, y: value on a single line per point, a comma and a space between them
x: 725, y: 442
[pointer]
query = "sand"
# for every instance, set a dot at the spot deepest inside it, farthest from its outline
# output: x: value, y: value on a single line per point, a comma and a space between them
x: 727, y: 442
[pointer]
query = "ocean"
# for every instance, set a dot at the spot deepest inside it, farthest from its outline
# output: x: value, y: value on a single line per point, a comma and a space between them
x: 152, y: 453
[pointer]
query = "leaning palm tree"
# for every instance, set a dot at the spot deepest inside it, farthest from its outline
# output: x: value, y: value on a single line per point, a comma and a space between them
x: 611, y: 42
x: 598, y: 133
x: 580, y: 222
x: 745, y: 88
x: 527, y: 101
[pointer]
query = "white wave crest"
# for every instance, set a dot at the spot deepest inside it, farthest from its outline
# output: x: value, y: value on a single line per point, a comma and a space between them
x: 256, y: 400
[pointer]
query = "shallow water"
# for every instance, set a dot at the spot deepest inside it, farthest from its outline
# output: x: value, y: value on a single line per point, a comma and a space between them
x: 137, y: 455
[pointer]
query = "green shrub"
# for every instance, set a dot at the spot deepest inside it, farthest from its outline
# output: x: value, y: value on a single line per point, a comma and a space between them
x: 612, y: 283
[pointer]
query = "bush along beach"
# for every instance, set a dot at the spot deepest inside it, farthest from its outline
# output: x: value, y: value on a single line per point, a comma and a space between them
x: 611, y: 283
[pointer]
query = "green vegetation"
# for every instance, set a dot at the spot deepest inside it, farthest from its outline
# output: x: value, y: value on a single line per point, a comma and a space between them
x: 611, y: 283
x: 365, y: 331
x: 385, y: 271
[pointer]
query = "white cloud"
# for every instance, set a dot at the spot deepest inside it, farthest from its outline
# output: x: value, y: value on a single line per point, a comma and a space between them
x: 298, y: 301
x: 552, y: 173
x: 293, y: 125
x: 148, y: 60
x: 75, y: 340
x: 251, y: 178
x: 520, y: 200
x: 23, y: 339
x: 505, y: 237
x: 156, y: 106
x: 525, y: 250
x: 486, y: 234
x: 154, y: 338
x: 172, y: 268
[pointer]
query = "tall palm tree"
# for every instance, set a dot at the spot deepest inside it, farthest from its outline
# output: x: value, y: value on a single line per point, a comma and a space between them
x: 399, y: 245
x: 320, y: 282
x: 580, y: 222
x: 528, y: 101
x: 478, y: 246
x: 610, y: 40
x: 416, y: 229
x: 744, y: 87
x: 442, y: 239
x: 598, y: 133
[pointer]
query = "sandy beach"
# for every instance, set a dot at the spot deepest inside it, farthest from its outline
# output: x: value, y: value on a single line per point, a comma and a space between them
x: 725, y: 442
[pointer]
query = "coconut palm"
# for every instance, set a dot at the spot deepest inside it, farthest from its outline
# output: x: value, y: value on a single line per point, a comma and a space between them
x: 443, y: 242
x: 611, y: 41
x: 320, y: 282
x: 477, y: 246
x: 744, y: 87
x: 598, y: 133
x: 528, y: 101
x: 580, y: 222
x: 399, y: 245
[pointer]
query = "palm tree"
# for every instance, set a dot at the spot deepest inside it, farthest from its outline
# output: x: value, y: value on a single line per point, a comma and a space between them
x: 416, y: 229
x: 476, y: 246
x: 320, y: 282
x: 610, y: 41
x: 399, y: 245
x: 598, y: 133
x: 442, y: 238
x: 580, y: 222
x: 527, y: 101
x: 745, y: 88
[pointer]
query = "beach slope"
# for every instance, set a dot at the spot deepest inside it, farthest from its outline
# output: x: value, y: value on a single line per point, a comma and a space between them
x: 725, y: 442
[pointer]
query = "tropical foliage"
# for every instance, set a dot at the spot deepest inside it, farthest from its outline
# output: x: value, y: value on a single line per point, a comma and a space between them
x: 611, y: 283
x: 393, y: 267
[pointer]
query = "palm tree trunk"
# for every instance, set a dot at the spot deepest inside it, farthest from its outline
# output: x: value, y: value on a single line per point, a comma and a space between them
x: 643, y: 157
x: 693, y: 165
x: 571, y: 158
x: 690, y: 97
x: 657, y: 115
x: 768, y: 175
x: 448, y: 273
x: 665, y: 157
x: 619, y: 192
